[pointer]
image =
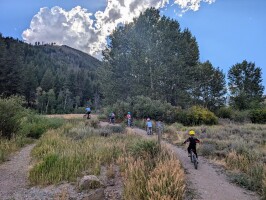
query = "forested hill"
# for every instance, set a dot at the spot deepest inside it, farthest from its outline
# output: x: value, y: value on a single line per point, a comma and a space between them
x: 67, y: 56
x: 51, y: 78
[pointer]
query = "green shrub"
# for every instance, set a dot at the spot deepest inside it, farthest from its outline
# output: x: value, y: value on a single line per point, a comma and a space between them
x: 117, y: 129
x: 143, y: 107
x: 258, y: 116
x: 197, y: 115
x: 79, y: 110
x: 224, y: 112
x: 143, y: 148
x: 35, y: 125
x: 207, y: 149
x: 241, y: 116
x: 252, y: 179
x: 11, y: 113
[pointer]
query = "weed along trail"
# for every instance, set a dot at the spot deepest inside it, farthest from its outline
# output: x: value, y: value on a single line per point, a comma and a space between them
x: 13, y: 173
x: 206, y: 182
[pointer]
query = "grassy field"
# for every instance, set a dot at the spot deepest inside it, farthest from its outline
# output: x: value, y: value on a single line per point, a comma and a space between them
x: 81, y: 147
x: 240, y: 148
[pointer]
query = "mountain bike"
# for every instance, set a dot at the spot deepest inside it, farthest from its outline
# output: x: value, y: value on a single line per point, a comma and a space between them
x: 149, y: 130
x: 112, y: 120
x: 129, y: 122
x: 86, y: 116
x: 193, y: 158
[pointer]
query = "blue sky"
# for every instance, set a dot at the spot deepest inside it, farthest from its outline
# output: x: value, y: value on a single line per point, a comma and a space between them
x: 227, y: 31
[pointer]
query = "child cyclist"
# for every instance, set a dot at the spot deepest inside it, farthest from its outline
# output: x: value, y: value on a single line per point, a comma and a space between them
x: 129, y: 119
x: 192, y: 143
x: 149, y: 126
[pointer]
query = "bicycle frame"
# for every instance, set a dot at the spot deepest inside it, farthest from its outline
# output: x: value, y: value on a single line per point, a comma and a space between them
x: 193, y: 158
x: 129, y: 122
x: 149, y: 130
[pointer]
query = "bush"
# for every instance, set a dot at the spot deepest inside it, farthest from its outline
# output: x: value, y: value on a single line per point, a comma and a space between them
x: 143, y: 107
x: 224, y: 112
x: 144, y: 148
x: 258, y: 116
x: 79, y: 110
x: 241, y: 116
x: 35, y: 125
x: 207, y: 149
x: 11, y: 113
x: 196, y: 115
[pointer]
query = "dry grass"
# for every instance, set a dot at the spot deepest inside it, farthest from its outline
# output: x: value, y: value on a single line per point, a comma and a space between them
x: 7, y: 147
x: 162, y: 179
x: 67, y: 116
x: 239, y: 147
x: 264, y: 184
x: 67, y: 153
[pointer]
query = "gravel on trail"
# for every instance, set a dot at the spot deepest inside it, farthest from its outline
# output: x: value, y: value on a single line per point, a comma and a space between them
x: 13, y: 173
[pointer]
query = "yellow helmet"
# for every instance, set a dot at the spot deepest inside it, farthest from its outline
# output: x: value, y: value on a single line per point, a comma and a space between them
x: 191, y: 132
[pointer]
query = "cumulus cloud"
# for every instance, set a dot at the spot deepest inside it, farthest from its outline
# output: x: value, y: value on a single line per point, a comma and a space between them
x: 86, y: 31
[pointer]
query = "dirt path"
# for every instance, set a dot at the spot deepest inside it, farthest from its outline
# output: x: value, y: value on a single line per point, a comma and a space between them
x: 13, y: 173
x: 206, y: 182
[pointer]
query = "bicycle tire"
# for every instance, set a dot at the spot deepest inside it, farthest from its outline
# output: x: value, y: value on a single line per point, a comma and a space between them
x: 195, y: 161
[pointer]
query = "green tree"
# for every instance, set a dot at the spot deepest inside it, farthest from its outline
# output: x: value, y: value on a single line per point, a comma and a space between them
x: 50, y: 101
x: 150, y: 57
x: 210, y: 87
x: 245, y: 85
x: 30, y: 84
x: 10, y: 68
x: 47, y: 82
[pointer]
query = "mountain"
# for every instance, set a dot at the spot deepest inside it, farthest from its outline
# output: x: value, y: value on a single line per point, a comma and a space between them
x: 51, y: 78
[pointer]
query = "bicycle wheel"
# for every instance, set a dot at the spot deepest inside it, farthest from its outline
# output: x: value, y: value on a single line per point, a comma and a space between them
x: 195, y: 161
x: 191, y: 156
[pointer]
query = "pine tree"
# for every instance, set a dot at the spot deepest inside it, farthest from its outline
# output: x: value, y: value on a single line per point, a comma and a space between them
x: 47, y: 82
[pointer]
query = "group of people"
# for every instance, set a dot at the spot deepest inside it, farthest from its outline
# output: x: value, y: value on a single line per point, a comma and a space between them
x: 192, y: 140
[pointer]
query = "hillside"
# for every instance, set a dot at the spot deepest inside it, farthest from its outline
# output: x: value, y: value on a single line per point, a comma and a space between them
x: 51, y: 78
x: 66, y: 56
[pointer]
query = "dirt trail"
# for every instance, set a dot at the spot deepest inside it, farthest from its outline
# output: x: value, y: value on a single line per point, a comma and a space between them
x: 13, y: 173
x: 206, y: 182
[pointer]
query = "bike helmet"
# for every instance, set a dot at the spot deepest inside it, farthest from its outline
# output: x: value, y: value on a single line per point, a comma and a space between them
x: 128, y: 112
x: 191, y: 132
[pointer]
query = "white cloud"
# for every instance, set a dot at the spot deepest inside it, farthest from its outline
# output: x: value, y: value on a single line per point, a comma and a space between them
x: 191, y: 4
x: 76, y: 28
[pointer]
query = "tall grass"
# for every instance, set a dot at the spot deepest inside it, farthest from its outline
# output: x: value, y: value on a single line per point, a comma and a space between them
x: 77, y: 149
x: 8, y: 147
x: 160, y: 178
x: 61, y: 158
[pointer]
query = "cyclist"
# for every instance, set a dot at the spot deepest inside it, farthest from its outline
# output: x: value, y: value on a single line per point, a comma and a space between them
x: 112, y: 118
x: 129, y: 119
x: 149, y: 126
x: 88, y: 112
x: 192, y: 143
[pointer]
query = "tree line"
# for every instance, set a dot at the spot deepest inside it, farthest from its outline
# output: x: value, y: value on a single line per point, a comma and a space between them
x: 151, y: 57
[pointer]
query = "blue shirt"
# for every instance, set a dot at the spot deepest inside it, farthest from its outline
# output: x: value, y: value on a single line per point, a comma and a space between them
x: 88, y: 109
x: 149, y: 124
